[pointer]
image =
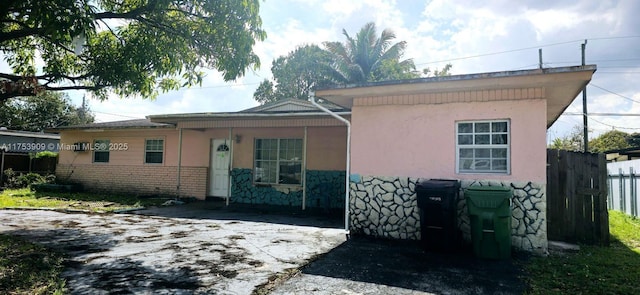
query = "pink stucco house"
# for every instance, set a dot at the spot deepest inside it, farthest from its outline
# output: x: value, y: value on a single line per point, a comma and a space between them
x: 364, y: 149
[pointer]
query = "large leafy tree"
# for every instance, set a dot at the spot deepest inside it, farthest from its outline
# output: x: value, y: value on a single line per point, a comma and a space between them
x: 295, y: 74
x: 634, y: 140
x: 45, y: 110
x: 130, y: 47
x: 611, y: 140
x: 571, y: 142
x: 369, y: 57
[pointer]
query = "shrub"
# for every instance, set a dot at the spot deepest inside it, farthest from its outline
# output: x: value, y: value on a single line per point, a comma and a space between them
x: 15, y: 180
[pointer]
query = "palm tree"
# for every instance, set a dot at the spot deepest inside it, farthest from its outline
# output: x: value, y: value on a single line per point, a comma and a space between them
x: 369, y: 58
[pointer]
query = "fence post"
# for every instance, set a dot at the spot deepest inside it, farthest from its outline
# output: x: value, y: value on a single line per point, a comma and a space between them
x: 622, y: 191
x: 610, y: 190
x: 633, y: 192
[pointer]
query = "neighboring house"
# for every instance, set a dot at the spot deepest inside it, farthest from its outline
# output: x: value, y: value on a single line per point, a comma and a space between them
x: 483, y: 129
x: 18, y: 146
x: 627, y: 154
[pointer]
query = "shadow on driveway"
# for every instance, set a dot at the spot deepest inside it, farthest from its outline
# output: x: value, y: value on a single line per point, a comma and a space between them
x: 91, y: 270
x: 371, y: 266
x: 217, y: 210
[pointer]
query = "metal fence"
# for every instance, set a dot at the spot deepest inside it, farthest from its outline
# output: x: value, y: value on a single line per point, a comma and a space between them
x: 624, y: 178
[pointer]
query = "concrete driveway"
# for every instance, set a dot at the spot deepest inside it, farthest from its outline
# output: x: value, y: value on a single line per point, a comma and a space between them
x: 373, y: 266
x: 190, y: 249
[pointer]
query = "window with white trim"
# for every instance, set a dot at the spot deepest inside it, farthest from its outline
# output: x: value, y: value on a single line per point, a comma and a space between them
x: 153, y: 151
x: 483, y: 146
x: 278, y: 161
x: 101, y: 151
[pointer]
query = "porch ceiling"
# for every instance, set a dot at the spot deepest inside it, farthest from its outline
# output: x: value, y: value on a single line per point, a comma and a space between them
x: 561, y: 86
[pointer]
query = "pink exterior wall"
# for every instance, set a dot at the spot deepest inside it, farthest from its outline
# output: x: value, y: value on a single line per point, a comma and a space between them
x: 419, y: 140
x: 134, y: 153
x: 326, y: 146
x: 127, y: 172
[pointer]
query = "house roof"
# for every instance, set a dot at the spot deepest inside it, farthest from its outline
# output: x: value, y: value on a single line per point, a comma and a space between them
x: 6, y: 132
x: 126, y: 124
x: 288, y: 108
x: 561, y: 85
x: 292, y: 105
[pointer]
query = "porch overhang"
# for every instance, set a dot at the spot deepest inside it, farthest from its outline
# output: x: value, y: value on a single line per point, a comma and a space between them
x: 559, y: 86
x: 249, y: 120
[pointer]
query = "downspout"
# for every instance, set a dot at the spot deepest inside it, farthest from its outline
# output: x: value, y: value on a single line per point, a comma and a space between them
x: 304, y: 170
x: 232, y: 147
x: 179, y: 160
x: 312, y: 98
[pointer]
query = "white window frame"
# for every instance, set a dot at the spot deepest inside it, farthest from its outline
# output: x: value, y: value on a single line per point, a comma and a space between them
x: 474, y: 146
x: 146, y: 151
x: 278, y: 161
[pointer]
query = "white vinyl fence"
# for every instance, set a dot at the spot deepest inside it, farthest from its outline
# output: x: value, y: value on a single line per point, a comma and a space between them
x: 624, y: 178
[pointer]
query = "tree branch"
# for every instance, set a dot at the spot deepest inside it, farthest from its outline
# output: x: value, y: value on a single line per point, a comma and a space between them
x: 126, y: 15
x: 11, y: 77
x: 77, y: 87
x: 17, y: 34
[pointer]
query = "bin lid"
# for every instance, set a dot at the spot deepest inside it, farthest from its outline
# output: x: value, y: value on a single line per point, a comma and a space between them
x: 489, y: 188
x: 438, y: 183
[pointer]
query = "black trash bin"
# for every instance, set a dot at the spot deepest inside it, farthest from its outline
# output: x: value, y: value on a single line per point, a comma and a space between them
x: 437, y: 200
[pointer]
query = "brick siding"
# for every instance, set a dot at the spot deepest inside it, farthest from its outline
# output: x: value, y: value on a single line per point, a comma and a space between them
x: 140, y: 180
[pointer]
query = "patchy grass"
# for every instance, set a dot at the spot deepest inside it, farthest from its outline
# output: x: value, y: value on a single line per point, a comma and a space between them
x: 27, y: 268
x: 594, y: 269
x: 77, y: 201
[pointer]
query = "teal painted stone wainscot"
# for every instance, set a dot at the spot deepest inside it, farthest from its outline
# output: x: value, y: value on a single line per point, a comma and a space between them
x: 325, y: 189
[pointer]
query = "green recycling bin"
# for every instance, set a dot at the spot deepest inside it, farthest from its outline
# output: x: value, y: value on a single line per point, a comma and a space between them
x: 490, y: 215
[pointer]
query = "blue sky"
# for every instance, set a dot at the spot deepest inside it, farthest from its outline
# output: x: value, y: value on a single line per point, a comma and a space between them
x: 474, y: 36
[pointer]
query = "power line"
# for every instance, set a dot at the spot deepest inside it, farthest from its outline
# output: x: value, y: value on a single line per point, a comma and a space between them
x: 607, y: 90
x: 118, y: 115
x: 499, y: 52
x: 615, y: 127
x: 603, y: 114
x: 527, y: 48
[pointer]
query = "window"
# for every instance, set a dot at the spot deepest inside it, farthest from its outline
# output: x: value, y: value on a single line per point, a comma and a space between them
x: 482, y: 146
x: 278, y: 161
x: 153, y: 150
x: 101, y: 151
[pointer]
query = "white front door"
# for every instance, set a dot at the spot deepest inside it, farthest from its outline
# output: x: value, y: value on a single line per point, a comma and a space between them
x: 219, y: 168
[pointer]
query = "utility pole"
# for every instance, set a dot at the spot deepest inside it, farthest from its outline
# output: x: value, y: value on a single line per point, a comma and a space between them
x: 584, y: 105
x: 540, y: 58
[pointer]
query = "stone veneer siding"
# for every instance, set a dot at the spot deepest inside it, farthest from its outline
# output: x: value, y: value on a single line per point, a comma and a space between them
x: 140, y: 180
x: 325, y: 189
x: 387, y: 207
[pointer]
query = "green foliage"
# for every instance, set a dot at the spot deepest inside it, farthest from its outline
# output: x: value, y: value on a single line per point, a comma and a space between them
x: 46, y: 154
x: 13, y: 180
x: 572, y: 142
x: 612, y: 140
x: 364, y: 58
x: 368, y: 57
x: 46, y: 110
x: 29, y: 268
x: 74, y: 200
x: 129, y: 47
x: 608, y: 141
x: 594, y: 269
x: 634, y: 140
x: 296, y: 74
x: 446, y: 71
